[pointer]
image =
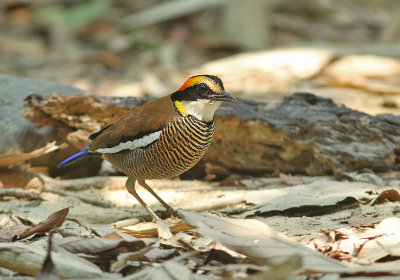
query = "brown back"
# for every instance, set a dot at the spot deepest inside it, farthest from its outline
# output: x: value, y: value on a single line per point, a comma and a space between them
x: 146, y: 118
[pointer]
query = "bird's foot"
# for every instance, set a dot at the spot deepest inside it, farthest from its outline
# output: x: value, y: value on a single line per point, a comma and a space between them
x: 171, y: 212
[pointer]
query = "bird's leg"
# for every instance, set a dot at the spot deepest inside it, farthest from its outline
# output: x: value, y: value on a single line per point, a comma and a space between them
x: 170, y: 210
x: 130, y: 186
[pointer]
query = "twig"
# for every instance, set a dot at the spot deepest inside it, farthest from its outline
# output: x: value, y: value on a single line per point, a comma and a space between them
x: 18, y: 193
x: 125, y: 223
x: 93, y: 201
x: 17, y: 158
x: 81, y: 184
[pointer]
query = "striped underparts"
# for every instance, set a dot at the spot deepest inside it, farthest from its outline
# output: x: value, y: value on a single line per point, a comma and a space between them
x: 180, y: 146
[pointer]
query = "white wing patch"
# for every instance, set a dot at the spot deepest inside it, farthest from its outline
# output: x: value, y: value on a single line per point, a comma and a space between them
x: 131, y: 145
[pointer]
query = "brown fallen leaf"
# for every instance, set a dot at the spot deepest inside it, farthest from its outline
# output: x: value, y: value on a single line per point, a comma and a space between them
x: 358, y: 220
x: 386, y: 195
x: 13, y: 159
x: 54, y: 220
x: 12, y: 233
x: 113, y: 235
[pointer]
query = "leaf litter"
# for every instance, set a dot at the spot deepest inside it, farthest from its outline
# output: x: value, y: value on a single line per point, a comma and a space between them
x: 361, y: 240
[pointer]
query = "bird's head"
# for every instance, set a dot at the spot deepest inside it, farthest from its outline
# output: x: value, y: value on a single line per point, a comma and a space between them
x: 200, y: 96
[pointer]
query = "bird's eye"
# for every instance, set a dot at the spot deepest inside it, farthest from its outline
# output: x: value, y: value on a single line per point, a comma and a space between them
x: 202, y: 88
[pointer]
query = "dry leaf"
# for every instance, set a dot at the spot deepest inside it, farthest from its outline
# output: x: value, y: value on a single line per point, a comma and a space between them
x: 291, y: 180
x: 308, y: 199
x: 54, y: 220
x: 169, y: 270
x: 48, y: 271
x: 381, y: 242
x: 151, y: 273
x: 258, y: 241
x: 112, y: 233
x: 365, y: 247
x: 177, y: 271
x: 125, y: 259
x: 12, y: 159
x: 12, y: 233
x: 125, y: 223
x: 157, y: 254
x: 153, y: 232
x: 386, y: 195
x: 280, y: 271
x: 163, y: 230
x: 220, y: 256
x: 358, y: 220
x: 197, y: 243
x: 28, y: 259
x: 77, y: 244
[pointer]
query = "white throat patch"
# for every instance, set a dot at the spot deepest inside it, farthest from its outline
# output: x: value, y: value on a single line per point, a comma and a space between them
x: 202, y: 109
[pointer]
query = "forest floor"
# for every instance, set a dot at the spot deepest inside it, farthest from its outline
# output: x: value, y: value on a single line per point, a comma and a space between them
x: 280, y: 226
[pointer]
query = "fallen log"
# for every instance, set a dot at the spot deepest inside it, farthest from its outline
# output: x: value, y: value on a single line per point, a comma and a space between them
x: 305, y: 134
x: 14, y: 127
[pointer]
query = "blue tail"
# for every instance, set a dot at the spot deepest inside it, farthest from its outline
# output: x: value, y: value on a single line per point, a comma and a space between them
x: 79, y: 155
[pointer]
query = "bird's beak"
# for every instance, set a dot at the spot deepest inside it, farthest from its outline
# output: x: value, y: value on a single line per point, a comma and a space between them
x: 223, y: 96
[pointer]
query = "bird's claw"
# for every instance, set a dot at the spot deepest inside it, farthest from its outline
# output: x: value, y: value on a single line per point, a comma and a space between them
x: 171, y: 212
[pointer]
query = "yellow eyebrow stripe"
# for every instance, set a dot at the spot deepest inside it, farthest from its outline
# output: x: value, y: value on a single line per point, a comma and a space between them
x: 191, y: 82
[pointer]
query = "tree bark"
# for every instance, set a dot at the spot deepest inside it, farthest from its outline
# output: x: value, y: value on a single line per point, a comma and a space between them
x: 305, y: 134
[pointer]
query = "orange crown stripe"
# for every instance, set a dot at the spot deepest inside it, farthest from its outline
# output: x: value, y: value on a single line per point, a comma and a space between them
x: 191, y: 82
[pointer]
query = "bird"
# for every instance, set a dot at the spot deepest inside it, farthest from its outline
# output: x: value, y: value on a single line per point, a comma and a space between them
x: 162, y: 138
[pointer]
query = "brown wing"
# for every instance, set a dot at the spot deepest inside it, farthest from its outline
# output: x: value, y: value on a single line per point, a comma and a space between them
x: 141, y: 121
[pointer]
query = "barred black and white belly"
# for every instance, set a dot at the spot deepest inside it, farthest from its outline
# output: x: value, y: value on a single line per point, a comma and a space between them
x: 179, y: 147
